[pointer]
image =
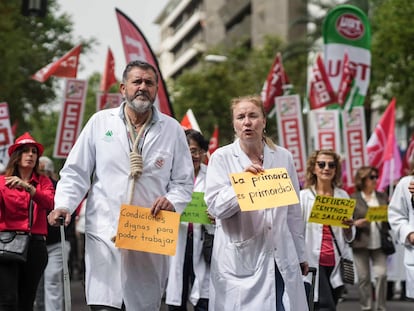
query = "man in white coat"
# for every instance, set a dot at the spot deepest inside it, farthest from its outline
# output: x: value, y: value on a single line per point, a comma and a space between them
x: 401, y: 219
x: 105, y: 161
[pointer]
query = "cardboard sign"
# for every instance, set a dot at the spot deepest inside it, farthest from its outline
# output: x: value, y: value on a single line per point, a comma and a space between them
x: 196, y: 210
x: 139, y: 230
x: 377, y: 213
x: 271, y: 188
x: 332, y: 211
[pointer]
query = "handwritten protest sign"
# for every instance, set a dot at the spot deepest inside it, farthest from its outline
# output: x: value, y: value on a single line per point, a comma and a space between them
x: 196, y: 210
x: 271, y: 188
x: 377, y: 213
x: 139, y: 230
x: 331, y: 211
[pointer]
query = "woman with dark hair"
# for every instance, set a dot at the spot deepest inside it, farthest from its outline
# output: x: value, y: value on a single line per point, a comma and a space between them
x: 23, y: 189
x: 323, y: 177
x: 366, y: 247
x: 189, y: 272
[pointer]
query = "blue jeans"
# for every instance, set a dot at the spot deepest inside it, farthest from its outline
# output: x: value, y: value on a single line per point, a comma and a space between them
x: 280, y: 289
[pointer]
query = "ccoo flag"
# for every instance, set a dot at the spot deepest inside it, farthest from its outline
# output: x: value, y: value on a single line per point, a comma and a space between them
x: 64, y: 67
x: 136, y: 47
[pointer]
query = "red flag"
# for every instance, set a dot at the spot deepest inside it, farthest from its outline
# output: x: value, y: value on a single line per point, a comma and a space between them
x: 136, y: 47
x: 274, y: 83
x: 64, y: 67
x: 108, y: 77
x: 347, y: 79
x: 382, y: 148
x: 189, y: 121
x: 214, y: 141
x: 321, y: 93
x: 409, y: 156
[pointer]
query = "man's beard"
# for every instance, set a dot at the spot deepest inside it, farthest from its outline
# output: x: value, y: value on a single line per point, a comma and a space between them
x: 140, y: 106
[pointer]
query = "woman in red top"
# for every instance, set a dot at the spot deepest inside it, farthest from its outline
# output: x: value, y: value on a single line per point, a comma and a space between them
x: 20, y: 184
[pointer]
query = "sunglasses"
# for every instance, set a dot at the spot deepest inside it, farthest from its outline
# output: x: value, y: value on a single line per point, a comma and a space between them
x: 373, y: 177
x: 322, y: 164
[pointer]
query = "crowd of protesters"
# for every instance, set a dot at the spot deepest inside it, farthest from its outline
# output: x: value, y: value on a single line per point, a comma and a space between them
x: 260, y: 258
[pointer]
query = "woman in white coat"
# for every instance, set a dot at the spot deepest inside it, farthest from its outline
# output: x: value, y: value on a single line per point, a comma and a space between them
x: 189, y: 272
x: 257, y: 255
x: 323, y: 176
x: 401, y: 219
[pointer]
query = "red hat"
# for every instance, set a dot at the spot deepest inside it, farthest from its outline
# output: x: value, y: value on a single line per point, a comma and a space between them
x: 26, y: 139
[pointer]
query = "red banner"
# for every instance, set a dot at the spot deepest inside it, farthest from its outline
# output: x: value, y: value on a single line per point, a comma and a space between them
x: 290, y: 128
x: 325, y: 130
x: 354, y: 141
x: 214, y: 141
x: 383, y: 150
x: 108, y: 77
x: 409, y: 157
x: 136, y: 47
x: 71, y: 116
x: 347, y: 79
x: 65, y: 67
x: 321, y: 93
x: 107, y: 100
x: 275, y: 81
x: 6, y: 136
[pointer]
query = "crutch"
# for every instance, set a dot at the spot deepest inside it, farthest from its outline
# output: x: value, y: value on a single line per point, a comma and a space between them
x: 311, y: 291
x: 66, y: 279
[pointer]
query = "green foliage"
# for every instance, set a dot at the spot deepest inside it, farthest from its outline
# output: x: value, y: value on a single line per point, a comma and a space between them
x: 28, y: 44
x: 393, y: 54
x: 209, y: 88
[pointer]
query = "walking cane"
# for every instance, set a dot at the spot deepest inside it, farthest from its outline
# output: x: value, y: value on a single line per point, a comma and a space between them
x: 66, y: 279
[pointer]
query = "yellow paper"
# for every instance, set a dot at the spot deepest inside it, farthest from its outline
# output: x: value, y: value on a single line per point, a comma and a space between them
x: 377, y: 213
x: 272, y: 188
x: 331, y: 211
x: 139, y: 230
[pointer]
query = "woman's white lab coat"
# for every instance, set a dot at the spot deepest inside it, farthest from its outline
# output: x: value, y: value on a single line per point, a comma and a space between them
x: 247, y: 244
x: 201, y: 268
x: 99, y: 162
x: 313, y: 238
x: 401, y: 219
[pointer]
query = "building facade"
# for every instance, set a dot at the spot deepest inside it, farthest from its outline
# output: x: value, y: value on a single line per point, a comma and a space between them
x: 189, y: 27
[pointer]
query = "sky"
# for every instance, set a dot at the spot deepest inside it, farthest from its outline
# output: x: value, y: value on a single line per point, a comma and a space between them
x: 96, y: 18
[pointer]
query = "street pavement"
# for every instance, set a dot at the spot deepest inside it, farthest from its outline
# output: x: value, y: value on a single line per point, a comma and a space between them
x: 350, y: 302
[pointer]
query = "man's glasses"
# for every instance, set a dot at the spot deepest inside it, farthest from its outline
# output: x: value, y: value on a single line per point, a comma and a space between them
x: 373, y: 177
x: 197, y: 152
x: 322, y: 164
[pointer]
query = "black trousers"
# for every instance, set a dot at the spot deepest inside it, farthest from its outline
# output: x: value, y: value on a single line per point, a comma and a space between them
x: 19, y: 281
x: 328, y: 296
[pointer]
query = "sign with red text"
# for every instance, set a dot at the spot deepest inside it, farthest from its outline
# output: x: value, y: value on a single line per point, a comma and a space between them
x: 269, y: 189
x: 325, y: 129
x: 6, y: 136
x: 290, y: 129
x: 354, y: 142
x: 71, y: 116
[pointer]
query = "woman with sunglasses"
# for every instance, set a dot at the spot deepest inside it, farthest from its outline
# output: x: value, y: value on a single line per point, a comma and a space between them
x: 323, y: 177
x: 366, y: 247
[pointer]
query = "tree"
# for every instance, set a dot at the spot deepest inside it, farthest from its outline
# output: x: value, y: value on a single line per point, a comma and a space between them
x: 393, y: 54
x: 28, y: 44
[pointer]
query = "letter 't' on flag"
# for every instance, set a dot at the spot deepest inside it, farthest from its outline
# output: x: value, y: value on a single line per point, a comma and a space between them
x: 321, y: 93
x: 64, y: 67
x: 136, y: 47
x: 108, y: 77
x: 274, y: 83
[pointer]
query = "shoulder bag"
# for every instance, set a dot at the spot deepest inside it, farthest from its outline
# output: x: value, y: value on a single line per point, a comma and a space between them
x: 387, y: 244
x: 346, y: 266
x: 13, y: 245
x: 208, y: 240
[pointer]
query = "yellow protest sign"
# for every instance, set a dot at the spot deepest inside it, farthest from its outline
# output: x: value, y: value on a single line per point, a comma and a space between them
x: 331, y: 211
x: 271, y: 188
x: 377, y: 213
x: 139, y: 230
